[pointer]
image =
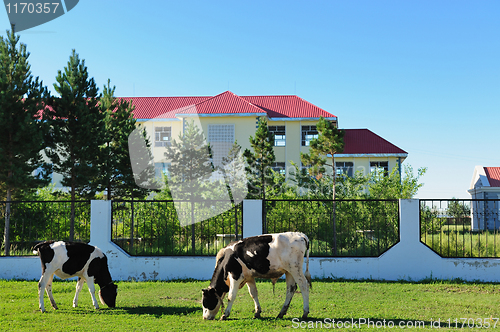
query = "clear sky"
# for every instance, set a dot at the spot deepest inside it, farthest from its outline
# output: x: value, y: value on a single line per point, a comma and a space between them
x: 425, y: 75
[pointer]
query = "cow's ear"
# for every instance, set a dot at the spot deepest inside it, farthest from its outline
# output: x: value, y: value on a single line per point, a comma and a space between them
x: 204, y: 290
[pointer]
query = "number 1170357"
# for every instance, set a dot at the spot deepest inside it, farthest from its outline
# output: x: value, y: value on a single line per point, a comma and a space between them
x: 472, y: 322
x: 31, y: 7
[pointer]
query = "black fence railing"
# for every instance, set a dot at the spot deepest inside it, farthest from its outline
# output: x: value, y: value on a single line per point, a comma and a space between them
x: 35, y: 221
x: 168, y: 228
x: 461, y: 228
x: 358, y: 228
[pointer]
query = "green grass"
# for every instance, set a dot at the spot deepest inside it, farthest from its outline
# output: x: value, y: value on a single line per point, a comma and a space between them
x: 175, y: 306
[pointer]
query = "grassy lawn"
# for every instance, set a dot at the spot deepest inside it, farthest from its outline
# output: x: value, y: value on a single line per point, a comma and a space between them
x: 175, y: 306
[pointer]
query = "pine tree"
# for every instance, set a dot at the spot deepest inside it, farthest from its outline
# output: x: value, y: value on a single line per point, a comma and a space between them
x: 233, y: 171
x: 21, y: 129
x: 190, y: 164
x: 78, y: 133
x: 189, y: 172
x: 260, y: 161
x: 330, y: 141
x: 117, y: 177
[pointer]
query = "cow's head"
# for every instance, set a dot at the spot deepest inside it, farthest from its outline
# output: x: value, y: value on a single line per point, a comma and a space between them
x: 107, y: 295
x: 211, y: 302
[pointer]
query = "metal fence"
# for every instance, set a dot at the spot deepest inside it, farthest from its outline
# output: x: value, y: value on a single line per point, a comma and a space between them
x: 357, y: 228
x: 155, y: 228
x: 35, y: 221
x: 461, y: 227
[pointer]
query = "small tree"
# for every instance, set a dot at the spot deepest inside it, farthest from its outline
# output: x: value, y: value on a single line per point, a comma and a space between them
x: 190, y: 164
x: 329, y: 142
x: 189, y: 172
x: 21, y: 129
x: 233, y: 170
x: 78, y: 133
x: 117, y: 177
x: 260, y: 161
x: 393, y: 186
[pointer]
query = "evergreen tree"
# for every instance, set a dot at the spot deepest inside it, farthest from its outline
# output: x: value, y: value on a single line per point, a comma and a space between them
x: 330, y: 141
x: 79, y: 132
x: 260, y: 161
x: 190, y: 164
x: 117, y: 177
x: 21, y: 129
x: 189, y: 173
x: 233, y: 170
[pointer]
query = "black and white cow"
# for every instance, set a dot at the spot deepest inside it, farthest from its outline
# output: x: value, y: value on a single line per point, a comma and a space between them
x: 266, y: 256
x: 70, y: 259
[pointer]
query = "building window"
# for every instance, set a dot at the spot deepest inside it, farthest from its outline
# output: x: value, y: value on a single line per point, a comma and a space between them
x: 380, y: 167
x: 221, y: 139
x: 278, y: 132
x: 308, y: 133
x: 279, y: 167
x: 163, y: 136
x: 344, y: 168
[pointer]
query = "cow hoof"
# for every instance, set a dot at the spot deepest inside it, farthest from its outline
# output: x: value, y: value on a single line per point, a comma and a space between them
x: 304, y: 316
x: 256, y: 315
x: 223, y: 317
x: 280, y: 316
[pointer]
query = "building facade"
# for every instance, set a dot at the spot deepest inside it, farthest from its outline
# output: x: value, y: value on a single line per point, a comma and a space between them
x: 228, y: 118
x: 485, y: 190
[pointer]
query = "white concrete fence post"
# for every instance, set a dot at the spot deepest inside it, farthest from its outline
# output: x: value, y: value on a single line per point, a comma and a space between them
x: 252, y: 217
x: 100, y: 223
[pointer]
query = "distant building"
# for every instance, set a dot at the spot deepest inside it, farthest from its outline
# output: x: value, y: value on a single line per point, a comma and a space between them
x: 485, y: 187
x: 227, y: 117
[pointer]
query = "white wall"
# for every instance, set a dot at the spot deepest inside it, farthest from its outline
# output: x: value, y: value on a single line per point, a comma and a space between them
x: 407, y: 260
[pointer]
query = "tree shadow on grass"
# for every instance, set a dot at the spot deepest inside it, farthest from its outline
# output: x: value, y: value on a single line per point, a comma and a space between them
x: 159, y: 311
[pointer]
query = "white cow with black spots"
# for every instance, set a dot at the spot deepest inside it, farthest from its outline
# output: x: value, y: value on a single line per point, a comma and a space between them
x: 70, y: 259
x: 266, y: 256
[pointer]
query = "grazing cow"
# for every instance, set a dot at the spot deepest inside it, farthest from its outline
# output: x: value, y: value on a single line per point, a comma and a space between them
x: 70, y: 259
x: 265, y: 256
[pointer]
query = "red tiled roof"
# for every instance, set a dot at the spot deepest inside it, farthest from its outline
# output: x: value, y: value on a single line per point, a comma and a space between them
x: 364, y: 141
x: 163, y: 107
x: 287, y: 107
x: 493, y: 174
x: 226, y: 103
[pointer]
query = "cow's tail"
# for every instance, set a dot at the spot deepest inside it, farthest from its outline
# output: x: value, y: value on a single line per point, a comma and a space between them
x: 36, y: 248
x: 307, y: 274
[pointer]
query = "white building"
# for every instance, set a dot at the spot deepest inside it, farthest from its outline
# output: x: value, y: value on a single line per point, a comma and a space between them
x: 485, y: 188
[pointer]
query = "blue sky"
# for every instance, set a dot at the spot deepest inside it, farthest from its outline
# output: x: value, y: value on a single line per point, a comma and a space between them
x: 425, y: 75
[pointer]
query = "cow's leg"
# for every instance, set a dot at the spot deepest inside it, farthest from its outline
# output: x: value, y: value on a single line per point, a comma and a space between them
x: 79, y: 286
x: 41, y: 290
x: 291, y: 287
x: 252, y: 289
x: 231, y: 296
x: 90, y: 284
x: 48, y: 289
x: 301, y: 280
